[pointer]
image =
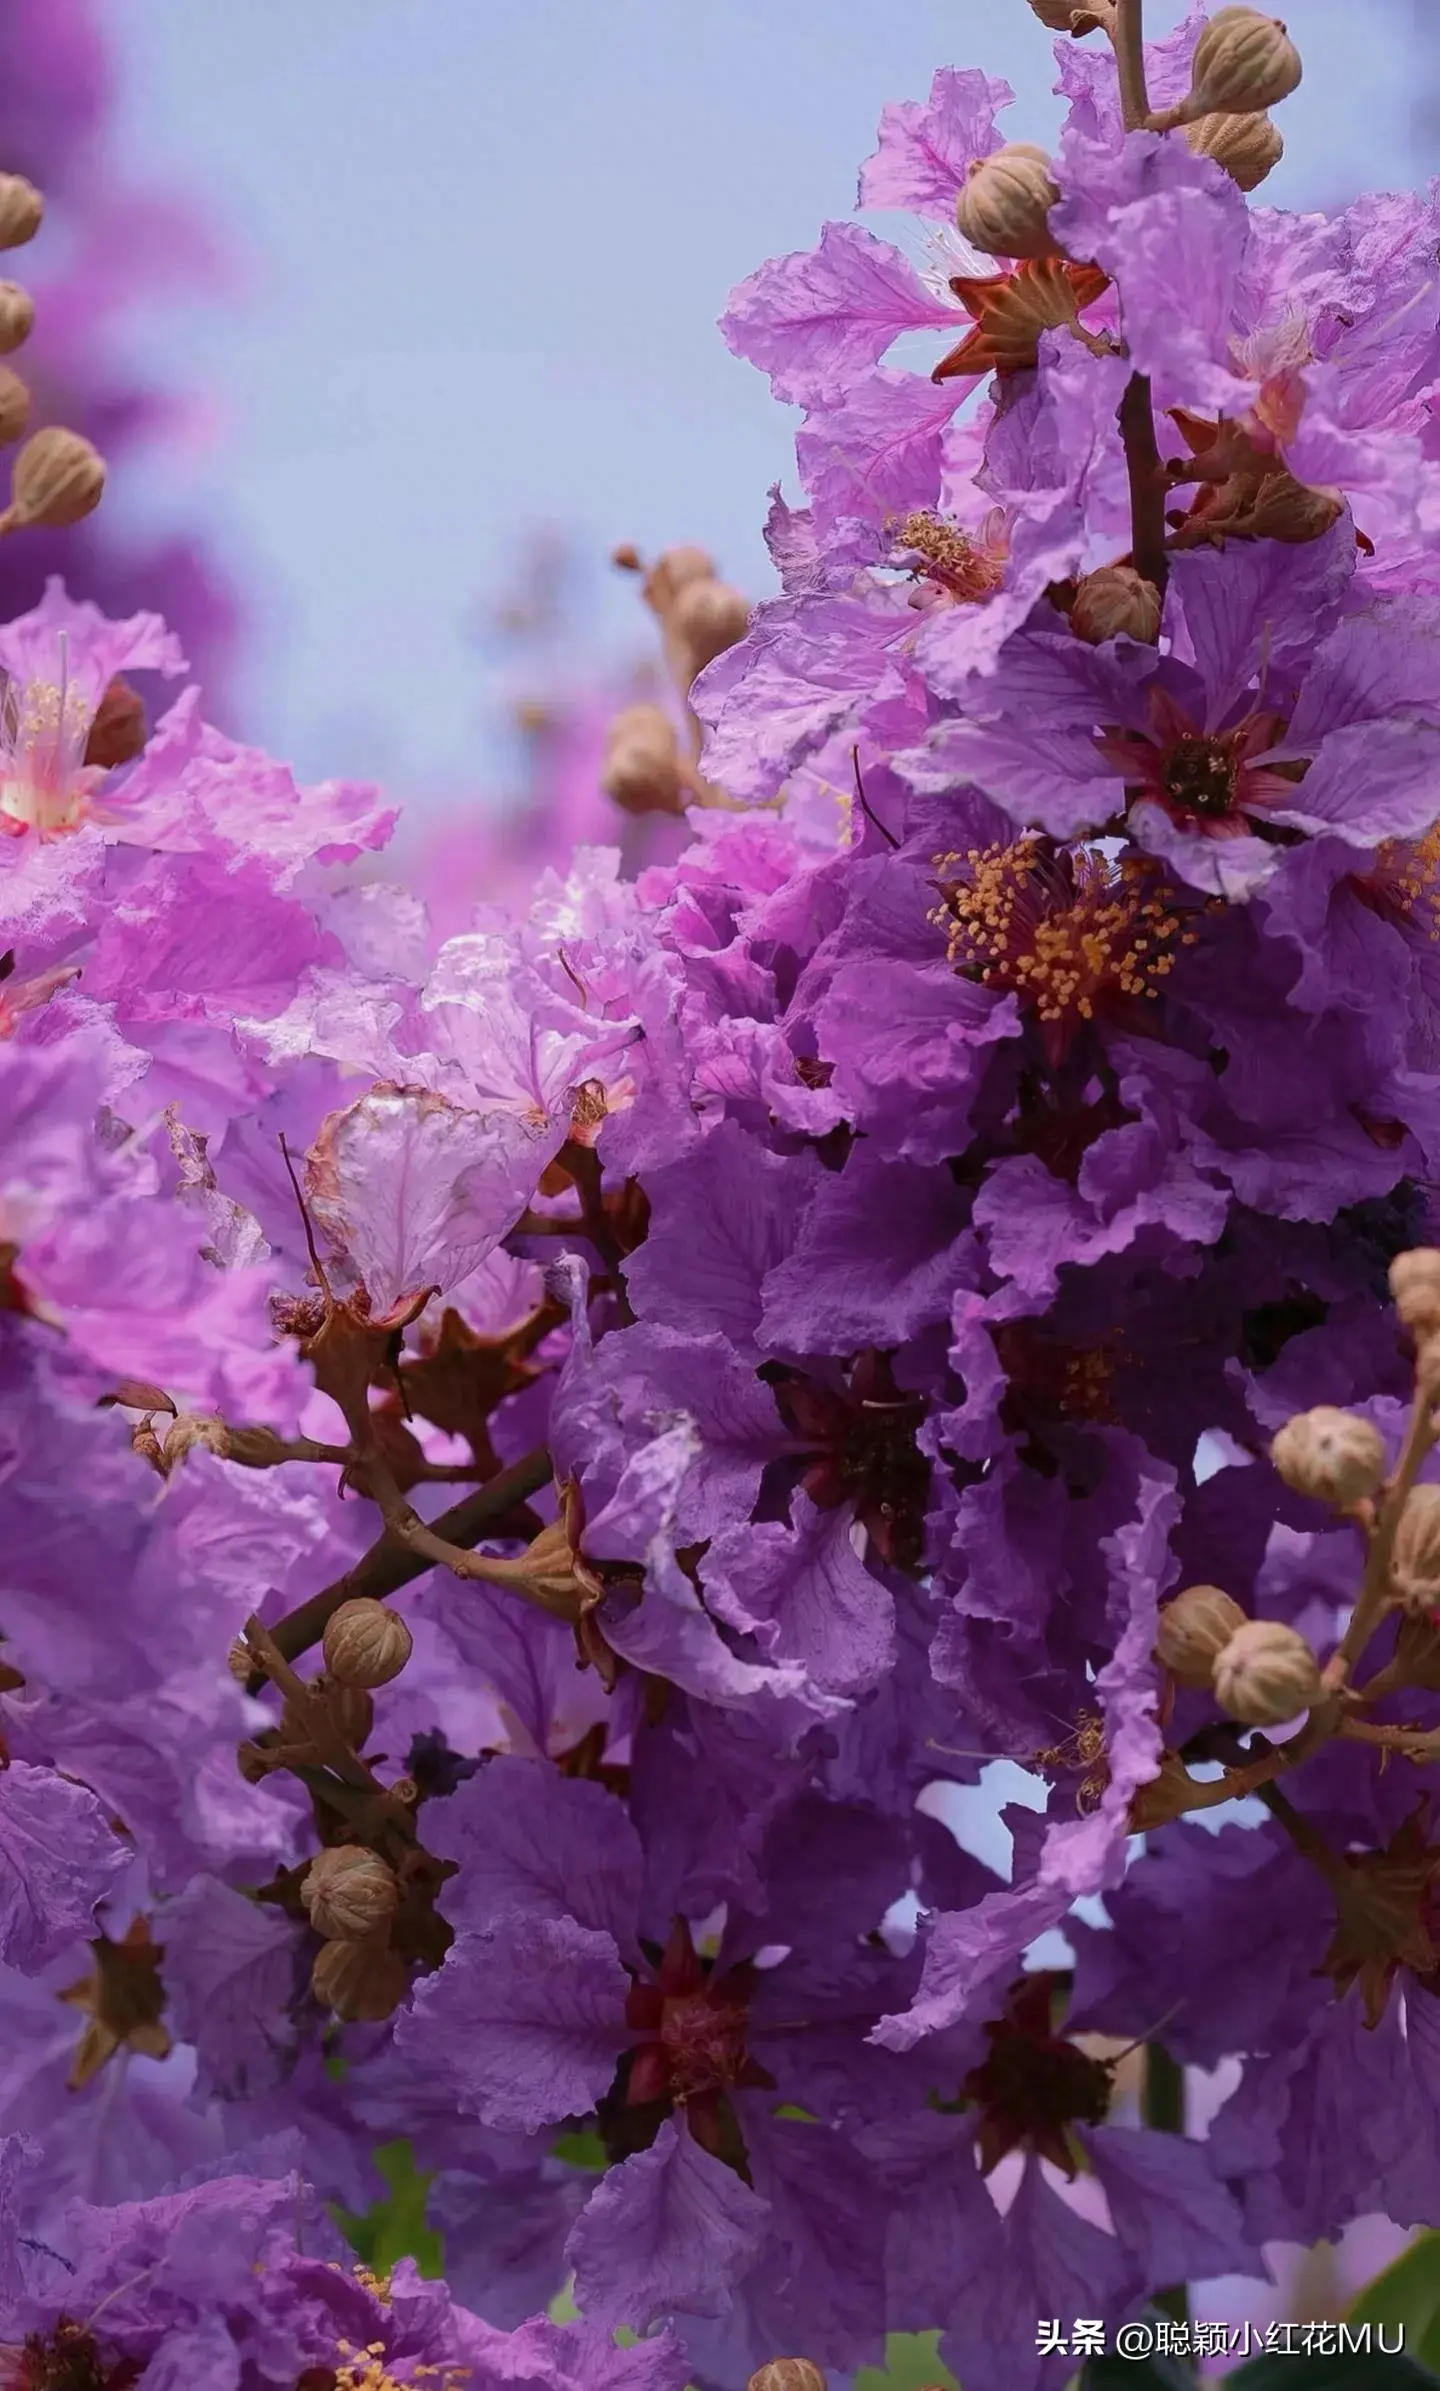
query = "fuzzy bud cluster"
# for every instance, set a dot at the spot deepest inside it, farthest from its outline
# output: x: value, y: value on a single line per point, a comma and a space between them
x: 1004, y: 207
x: 1266, y: 1674
x: 1334, y: 1456
x: 366, y: 1644
x: 1195, y: 1627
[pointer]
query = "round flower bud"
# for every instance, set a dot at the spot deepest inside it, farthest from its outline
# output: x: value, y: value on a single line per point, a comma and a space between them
x: 58, y: 479
x: 1333, y: 1455
x: 1113, y: 602
x: 1267, y: 1673
x: 1242, y: 62
x: 1415, y: 1564
x: 14, y: 406
x: 1415, y: 1286
x: 366, y: 1644
x: 21, y: 209
x: 1055, y: 14
x: 1005, y: 202
x: 348, y: 1893
x: 17, y: 317
x: 1195, y: 1627
x: 672, y: 571
x: 1246, y: 146
x: 641, y: 770
x: 706, y: 618
x: 360, y: 1983
x: 787, y: 2374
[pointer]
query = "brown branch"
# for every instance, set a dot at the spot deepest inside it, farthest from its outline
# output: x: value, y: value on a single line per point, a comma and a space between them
x: 494, y: 1509
x: 1128, y: 35
x: 1148, y: 482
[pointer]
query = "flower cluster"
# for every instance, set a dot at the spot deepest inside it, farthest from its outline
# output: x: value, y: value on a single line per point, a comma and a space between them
x: 538, y: 1468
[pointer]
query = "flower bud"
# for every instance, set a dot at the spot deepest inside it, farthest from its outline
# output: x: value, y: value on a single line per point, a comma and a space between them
x: 1242, y: 62
x: 366, y: 1644
x: 1333, y: 1455
x: 706, y: 618
x: 21, y: 210
x: 57, y: 480
x: 1195, y: 1626
x: 1005, y: 202
x: 360, y: 1983
x: 1267, y: 1673
x: 1055, y: 14
x: 17, y: 317
x: 672, y: 571
x: 641, y: 770
x: 1415, y: 1286
x: 1415, y: 1565
x: 1113, y: 602
x: 787, y: 2374
x: 1246, y: 146
x: 14, y: 406
x: 348, y: 1893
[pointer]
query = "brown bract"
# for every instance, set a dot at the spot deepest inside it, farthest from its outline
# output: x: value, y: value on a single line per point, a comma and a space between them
x: 1012, y: 310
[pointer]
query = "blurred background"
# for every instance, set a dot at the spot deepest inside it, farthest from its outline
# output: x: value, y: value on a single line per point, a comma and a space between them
x: 429, y: 324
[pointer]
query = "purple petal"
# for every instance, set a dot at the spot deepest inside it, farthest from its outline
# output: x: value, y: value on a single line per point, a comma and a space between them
x: 524, y: 2022
x: 58, y: 1858
x: 817, y: 320
x: 925, y: 150
x: 532, y: 1843
x: 671, y: 2228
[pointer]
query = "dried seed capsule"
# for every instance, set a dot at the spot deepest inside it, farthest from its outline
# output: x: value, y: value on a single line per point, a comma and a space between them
x: 348, y: 1893
x: 641, y: 770
x: 1333, y: 1455
x: 366, y: 1644
x: 1195, y: 1627
x: 787, y: 2374
x: 706, y: 618
x: 1267, y: 1673
x: 1415, y: 1568
x: 1005, y: 202
x: 1246, y: 146
x: 58, y: 479
x: 21, y: 211
x: 14, y: 406
x: 1242, y: 62
x: 1415, y: 1286
x: 1113, y: 602
x: 17, y: 316
x: 360, y: 1983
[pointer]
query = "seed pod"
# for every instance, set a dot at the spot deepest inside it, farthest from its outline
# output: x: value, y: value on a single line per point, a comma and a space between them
x: 17, y: 317
x: 1333, y: 1455
x: 21, y: 211
x: 1246, y: 146
x: 1415, y: 1286
x: 1195, y: 1627
x: 787, y: 2374
x: 707, y: 617
x: 57, y: 480
x: 1114, y: 602
x: 1291, y: 511
x: 1242, y: 62
x: 366, y: 1644
x: 1415, y: 1567
x: 1005, y: 202
x: 1055, y: 14
x: 1267, y: 1673
x: 117, y: 736
x: 348, y: 1893
x: 14, y: 406
x: 641, y: 770
x: 360, y: 1983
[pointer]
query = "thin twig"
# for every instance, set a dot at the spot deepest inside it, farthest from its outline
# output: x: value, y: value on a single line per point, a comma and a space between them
x: 1148, y: 482
x: 1128, y: 35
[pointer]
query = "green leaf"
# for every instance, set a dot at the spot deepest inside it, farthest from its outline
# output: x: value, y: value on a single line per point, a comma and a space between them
x: 910, y: 2365
x: 798, y: 2116
x: 395, y: 2227
x: 1407, y: 2294
x: 1356, y: 2370
x: 583, y: 2150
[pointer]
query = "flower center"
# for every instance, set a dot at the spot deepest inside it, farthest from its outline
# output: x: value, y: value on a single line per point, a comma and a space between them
x: 859, y: 1445
x: 1199, y: 776
x: 1034, y: 2084
x: 966, y: 566
x: 66, y: 2360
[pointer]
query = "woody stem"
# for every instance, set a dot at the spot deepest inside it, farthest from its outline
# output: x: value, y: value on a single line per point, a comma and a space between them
x: 1128, y: 35
x: 1148, y: 483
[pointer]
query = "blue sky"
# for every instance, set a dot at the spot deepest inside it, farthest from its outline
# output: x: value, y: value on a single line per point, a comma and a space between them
x: 485, y: 245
